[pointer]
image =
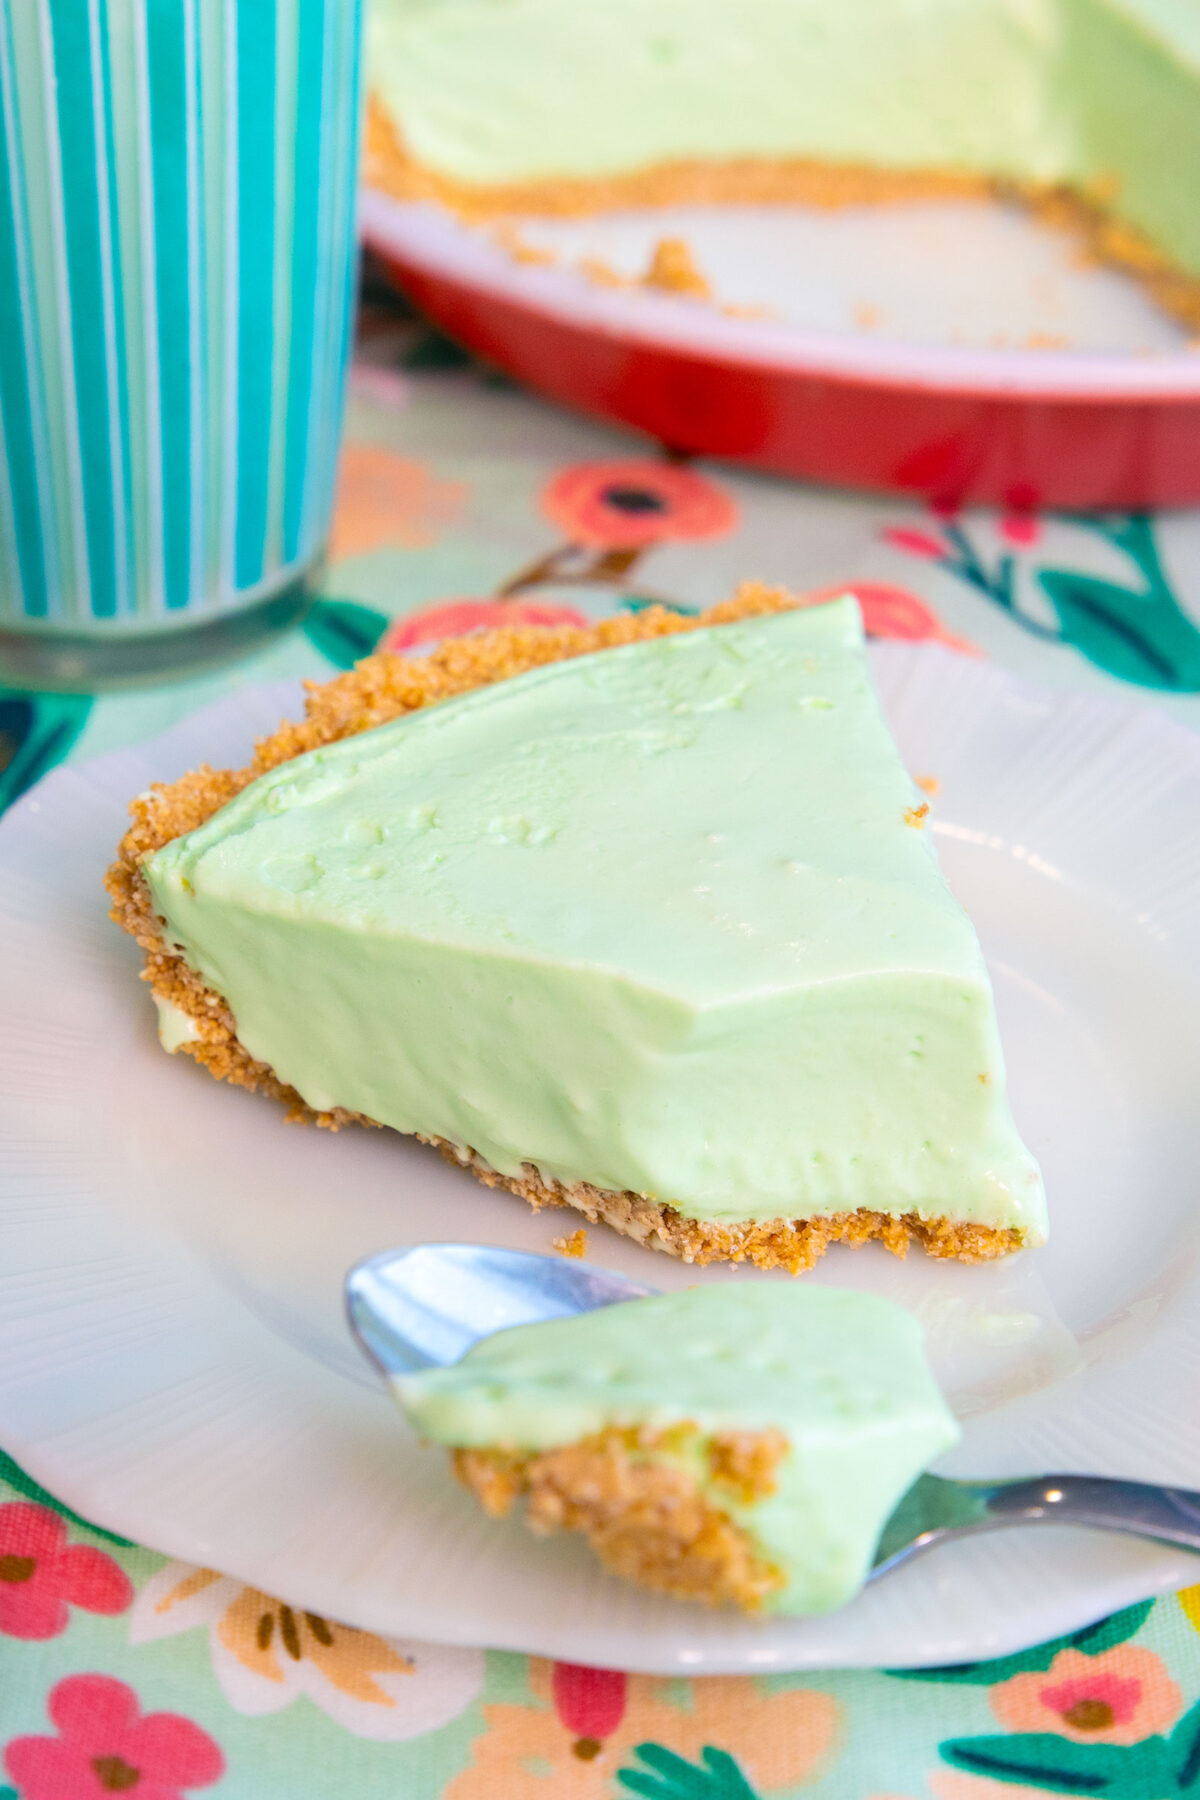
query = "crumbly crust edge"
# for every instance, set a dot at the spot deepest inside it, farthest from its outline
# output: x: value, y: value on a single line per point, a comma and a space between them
x: 1088, y: 215
x: 383, y: 687
x: 648, y: 1521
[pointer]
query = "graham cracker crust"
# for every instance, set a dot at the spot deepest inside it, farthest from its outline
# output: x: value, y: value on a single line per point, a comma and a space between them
x: 791, y: 1244
x: 383, y: 687
x: 1088, y: 215
x: 647, y: 1521
x: 745, y: 180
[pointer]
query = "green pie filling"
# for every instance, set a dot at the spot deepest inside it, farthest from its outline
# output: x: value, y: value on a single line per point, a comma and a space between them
x: 842, y: 1375
x: 657, y: 919
x: 1058, y: 91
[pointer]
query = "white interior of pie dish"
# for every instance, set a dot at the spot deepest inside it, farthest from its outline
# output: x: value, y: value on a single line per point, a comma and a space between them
x: 950, y: 294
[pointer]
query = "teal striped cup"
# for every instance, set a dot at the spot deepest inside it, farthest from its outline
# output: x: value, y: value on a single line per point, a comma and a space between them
x: 177, y: 258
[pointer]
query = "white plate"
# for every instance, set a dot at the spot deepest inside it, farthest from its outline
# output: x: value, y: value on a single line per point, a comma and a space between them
x: 173, y: 1361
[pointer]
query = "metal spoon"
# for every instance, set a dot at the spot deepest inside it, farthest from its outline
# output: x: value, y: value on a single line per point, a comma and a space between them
x: 412, y: 1309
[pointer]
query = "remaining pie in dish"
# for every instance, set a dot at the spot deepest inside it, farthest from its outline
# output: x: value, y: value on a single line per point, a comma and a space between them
x: 641, y: 918
x: 742, y: 1444
x: 1088, y: 108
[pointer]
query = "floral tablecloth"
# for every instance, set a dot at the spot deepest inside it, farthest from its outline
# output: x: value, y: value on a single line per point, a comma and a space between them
x: 463, y: 503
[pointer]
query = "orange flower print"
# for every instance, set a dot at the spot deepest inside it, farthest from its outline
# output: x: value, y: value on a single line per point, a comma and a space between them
x: 894, y: 612
x: 951, y: 1784
x: 266, y: 1655
x: 262, y: 1634
x: 585, y: 1724
x: 384, y: 499
x: 455, y: 618
x: 633, y: 502
x: 1119, y: 1697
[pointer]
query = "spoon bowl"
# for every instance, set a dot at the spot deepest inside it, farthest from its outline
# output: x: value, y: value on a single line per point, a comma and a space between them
x: 425, y: 1306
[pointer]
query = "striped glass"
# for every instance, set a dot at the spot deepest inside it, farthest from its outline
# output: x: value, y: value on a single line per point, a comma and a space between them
x: 177, y: 187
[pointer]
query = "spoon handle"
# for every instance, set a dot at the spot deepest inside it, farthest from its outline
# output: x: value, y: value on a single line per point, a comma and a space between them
x: 1168, y: 1515
x: 935, y: 1511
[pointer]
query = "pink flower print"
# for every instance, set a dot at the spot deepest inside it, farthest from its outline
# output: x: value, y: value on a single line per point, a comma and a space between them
x: 632, y: 502
x: 41, y: 1575
x: 1021, y: 529
x: 591, y: 1704
x: 1020, y: 524
x: 894, y: 612
x: 456, y: 618
x: 106, y: 1746
x: 1094, y: 1702
x: 915, y: 543
x: 1119, y: 1697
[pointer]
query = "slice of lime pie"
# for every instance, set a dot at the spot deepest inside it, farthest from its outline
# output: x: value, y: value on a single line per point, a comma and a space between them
x: 1088, y: 109
x: 742, y: 1444
x: 654, y: 931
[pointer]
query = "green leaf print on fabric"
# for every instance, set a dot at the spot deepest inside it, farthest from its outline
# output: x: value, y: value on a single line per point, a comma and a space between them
x: 640, y: 603
x: 432, y: 350
x: 1184, y: 1746
x: 1105, y: 1634
x: 1040, y: 1759
x: 1156, y: 1768
x: 343, y: 631
x: 669, y: 1777
x: 1094, y: 616
x: 1140, y: 634
x: 37, y: 731
x: 29, y: 1489
x: 1137, y: 631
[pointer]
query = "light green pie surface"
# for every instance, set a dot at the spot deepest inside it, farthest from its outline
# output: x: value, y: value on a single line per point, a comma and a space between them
x: 841, y: 1374
x: 491, y: 91
x: 654, y: 919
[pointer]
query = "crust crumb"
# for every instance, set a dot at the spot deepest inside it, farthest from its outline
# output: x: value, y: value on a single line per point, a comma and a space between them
x: 928, y: 784
x: 916, y: 816
x: 514, y: 243
x: 734, y: 310
x: 575, y: 1245
x: 384, y: 687
x: 602, y: 273
x: 646, y: 1520
x: 673, y: 268
x: 745, y: 1462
